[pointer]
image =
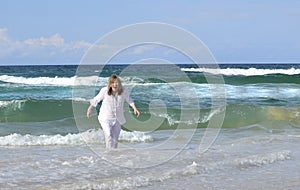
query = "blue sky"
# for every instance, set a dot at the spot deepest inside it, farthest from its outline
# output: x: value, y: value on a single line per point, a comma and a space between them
x: 61, y: 31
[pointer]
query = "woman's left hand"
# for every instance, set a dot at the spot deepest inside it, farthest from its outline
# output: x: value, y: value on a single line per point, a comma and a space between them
x: 136, y: 112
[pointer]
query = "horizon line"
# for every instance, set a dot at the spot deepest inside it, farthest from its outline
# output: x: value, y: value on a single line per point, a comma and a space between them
x: 119, y: 63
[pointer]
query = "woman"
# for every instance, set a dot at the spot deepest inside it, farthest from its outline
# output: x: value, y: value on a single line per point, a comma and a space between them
x: 111, y: 115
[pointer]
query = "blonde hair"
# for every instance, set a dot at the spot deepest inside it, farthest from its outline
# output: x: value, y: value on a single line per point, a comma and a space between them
x: 111, y: 80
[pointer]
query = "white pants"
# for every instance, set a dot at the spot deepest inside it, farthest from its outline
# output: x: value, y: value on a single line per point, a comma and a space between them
x: 111, y: 129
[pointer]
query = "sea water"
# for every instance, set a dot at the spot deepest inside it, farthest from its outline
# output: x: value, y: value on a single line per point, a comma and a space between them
x: 46, y: 141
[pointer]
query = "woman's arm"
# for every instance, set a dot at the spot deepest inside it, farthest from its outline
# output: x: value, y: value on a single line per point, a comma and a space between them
x: 131, y: 103
x: 95, y: 101
x: 135, y: 110
x: 89, y: 111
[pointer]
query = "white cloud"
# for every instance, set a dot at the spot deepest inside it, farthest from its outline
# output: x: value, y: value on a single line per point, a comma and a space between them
x: 6, y: 44
x: 53, y: 49
x: 4, y: 35
x: 55, y: 40
x: 142, y: 48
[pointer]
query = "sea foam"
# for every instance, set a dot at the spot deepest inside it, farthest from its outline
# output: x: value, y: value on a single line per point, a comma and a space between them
x: 13, y: 104
x: 54, y: 81
x: 87, y: 137
x: 263, y: 159
x: 245, y: 72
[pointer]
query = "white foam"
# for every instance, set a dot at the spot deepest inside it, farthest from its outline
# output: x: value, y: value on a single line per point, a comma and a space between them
x: 91, y: 136
x: 245, y: 72
x: 263, y: 159
x: 31, y: 140
x: 276, y: 91
x: 204, y: 118
x: 135, y: 136
x: 140, y: 180
x: 13, y: 104
x: 117, y: 184
x: 87, y: 161
x: 54, y: 81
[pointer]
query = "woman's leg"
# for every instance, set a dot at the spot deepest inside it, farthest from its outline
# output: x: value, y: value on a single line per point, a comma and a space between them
x: 116, y: 129
x: 108, y: 133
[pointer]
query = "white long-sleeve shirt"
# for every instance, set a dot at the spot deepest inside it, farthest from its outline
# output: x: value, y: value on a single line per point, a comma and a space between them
x: 112, y: 106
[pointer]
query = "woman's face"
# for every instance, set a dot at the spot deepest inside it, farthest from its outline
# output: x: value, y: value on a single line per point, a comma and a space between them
x: 115, y: 85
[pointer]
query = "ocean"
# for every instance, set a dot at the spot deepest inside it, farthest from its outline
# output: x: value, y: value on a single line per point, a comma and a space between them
x: 195, y: 132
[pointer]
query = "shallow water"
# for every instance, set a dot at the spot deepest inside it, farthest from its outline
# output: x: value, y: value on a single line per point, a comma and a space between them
x: 245, y: 158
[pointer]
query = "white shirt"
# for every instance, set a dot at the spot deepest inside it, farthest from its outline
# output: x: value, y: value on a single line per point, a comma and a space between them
x: 112, y: 106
